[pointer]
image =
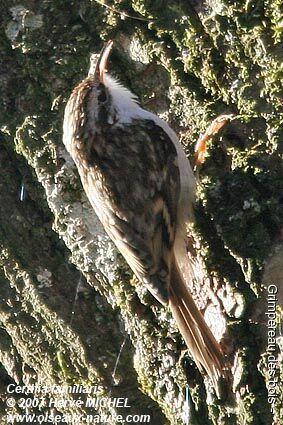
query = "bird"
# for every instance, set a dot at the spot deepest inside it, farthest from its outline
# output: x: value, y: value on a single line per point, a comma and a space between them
x: 140, y: 183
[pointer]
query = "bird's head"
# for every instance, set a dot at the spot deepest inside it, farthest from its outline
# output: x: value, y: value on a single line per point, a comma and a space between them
x: 98, y: 101
x: 110, y: 102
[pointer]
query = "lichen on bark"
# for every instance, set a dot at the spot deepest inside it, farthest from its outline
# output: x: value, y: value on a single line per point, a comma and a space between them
x: 189, y: 62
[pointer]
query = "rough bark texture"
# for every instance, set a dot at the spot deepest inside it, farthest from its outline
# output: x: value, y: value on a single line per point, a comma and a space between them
x: 189, y: 62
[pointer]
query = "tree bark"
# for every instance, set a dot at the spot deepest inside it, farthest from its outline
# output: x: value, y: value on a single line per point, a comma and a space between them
x: 71, y: 313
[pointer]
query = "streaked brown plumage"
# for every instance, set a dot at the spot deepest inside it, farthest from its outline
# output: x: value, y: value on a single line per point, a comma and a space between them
x: 140, y: 183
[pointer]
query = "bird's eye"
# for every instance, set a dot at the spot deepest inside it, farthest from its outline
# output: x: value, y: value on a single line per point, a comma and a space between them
x: 102, y: 97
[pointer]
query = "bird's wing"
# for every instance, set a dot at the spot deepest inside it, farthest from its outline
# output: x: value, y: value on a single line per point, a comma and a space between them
x: 133, y: 183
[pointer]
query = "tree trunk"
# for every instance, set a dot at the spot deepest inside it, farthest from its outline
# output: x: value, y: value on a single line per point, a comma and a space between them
x: 72, y: 315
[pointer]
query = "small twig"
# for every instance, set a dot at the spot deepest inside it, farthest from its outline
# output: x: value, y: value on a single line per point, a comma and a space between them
x: 22, y: 192
x: 122, y: 14
x: 75, y: 299
x: 215, y: 127
x: 117, y: 360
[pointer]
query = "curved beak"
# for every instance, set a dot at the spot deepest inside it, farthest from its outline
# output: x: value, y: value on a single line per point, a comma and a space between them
x: 98, y: 66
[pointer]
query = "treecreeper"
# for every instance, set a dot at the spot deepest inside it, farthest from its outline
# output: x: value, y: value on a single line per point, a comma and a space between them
x: 141, y: 185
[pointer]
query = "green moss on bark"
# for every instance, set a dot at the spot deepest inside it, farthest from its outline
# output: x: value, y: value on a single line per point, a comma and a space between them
x: 211, y: 58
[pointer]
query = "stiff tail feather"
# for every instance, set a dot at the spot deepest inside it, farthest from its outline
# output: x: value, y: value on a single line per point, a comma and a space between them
x: 202, y: 344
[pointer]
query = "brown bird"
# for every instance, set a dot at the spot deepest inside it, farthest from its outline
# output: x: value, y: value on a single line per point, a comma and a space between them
x: 141, y: 186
